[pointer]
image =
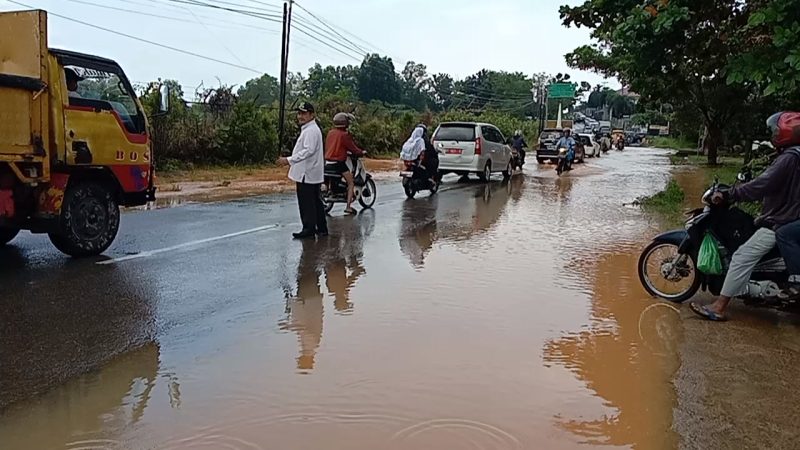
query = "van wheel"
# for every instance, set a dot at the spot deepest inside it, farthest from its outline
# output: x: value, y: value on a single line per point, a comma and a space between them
x: 89, y: 220
x: 486, y: 175
x: 7, y: 235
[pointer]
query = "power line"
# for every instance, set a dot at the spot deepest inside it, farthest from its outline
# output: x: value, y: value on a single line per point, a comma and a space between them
x: 182, y: 9
x: 147, y: 41
x: 326, y: 25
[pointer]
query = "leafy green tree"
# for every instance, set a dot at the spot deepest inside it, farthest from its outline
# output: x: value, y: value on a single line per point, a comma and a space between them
x: 443, y: 87
x: 261, y: 91
x: 377, y: 80
x: 772, y: 55
x: 675, y: 51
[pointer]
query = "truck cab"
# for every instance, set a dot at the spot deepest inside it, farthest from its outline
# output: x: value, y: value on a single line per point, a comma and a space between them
x: 74, y: 141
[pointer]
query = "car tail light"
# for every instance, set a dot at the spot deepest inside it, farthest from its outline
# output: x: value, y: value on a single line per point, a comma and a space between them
x: 478, y: 146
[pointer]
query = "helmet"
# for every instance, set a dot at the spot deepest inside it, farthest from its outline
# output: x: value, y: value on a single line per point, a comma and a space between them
x: 785, y: 129
x: 342, y: 120
x: 518, y: 133
x: 423, y: 126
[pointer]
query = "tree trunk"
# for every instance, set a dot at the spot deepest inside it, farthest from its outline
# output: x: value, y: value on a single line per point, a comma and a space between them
x: 712, y: 141
x: 748, y: 150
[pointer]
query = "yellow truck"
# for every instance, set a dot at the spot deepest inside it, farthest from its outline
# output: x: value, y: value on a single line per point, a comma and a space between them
x: 74, y: 141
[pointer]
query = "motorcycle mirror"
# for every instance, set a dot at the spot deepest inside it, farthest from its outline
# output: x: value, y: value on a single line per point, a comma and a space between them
x: 741, y: 177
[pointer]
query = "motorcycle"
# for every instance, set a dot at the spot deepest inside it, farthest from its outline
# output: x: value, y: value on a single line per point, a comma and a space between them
x: 516, y: 160
x: 415, y: 178
x: 334, y: 189
x: 670, y: 259
x: 564, y: 162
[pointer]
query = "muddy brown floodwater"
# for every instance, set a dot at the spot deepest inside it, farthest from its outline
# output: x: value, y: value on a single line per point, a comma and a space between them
x: 506, y: 316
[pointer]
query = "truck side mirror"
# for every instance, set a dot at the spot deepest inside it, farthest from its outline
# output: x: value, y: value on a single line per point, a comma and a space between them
x: 164, y: 105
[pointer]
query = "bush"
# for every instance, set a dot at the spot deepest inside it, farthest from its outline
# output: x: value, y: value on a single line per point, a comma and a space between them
x: 247, y: 136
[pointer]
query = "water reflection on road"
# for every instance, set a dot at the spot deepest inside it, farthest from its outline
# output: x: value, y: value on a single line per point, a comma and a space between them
x: 500, y: 316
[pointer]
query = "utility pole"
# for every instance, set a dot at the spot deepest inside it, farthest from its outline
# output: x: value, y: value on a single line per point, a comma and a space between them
x: 287, y: 28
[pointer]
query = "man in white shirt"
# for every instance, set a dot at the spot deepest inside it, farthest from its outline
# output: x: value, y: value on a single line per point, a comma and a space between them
x: 307, y: 167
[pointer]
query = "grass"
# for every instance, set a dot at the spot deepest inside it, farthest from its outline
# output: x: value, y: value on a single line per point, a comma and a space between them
x: 671, y: 143
x: 667, y: 202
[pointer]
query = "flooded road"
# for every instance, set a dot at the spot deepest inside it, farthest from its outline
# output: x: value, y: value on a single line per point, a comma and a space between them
x: 506, y: 316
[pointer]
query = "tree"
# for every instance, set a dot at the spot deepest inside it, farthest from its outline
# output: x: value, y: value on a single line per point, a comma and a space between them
x: 339, y: 81
x: 674, y: 51
x: 377, y: 80
x: 416, y: 86
x: 443, y: 87
x: 772, y: 58
x: 260, y: 91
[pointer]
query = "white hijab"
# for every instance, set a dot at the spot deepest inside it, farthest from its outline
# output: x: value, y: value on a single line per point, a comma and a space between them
x: 414, y: 145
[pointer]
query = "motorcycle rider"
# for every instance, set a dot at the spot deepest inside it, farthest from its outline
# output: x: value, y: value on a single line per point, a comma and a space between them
x: 779, y: 189
x: 519, y: 145
x: 420, y: 145
x: 339, y: 143
x: 567, y: 142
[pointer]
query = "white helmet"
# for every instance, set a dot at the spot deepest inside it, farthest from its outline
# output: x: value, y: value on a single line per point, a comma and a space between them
x: 518, y: 133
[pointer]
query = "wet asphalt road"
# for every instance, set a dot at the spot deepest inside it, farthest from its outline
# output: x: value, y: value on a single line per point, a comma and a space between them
x: 506, y: 315
x: 63, y: 317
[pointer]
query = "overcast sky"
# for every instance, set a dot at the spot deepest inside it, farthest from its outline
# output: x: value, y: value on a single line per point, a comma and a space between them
x: 459, y: 37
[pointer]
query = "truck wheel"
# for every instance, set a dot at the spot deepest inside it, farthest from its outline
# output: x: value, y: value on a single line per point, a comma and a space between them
x: 7, y: 235
x: 89, y: 220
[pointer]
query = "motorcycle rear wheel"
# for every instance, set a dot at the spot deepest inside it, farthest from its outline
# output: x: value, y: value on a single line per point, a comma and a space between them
x: 647, y: 278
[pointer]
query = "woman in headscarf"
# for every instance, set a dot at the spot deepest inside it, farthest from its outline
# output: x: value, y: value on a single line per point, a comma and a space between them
x: 419, y: 144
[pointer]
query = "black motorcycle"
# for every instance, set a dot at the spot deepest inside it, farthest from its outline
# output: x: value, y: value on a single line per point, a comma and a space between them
x: 416, y: 178
x: 667, y: 266
x: 564, y: 162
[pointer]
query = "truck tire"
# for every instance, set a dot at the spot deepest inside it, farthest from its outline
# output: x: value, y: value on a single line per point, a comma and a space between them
x: 7, y: 235
x: 89, y: 220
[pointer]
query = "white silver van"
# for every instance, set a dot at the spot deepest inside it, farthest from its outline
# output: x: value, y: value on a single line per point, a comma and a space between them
x: 470, y: 147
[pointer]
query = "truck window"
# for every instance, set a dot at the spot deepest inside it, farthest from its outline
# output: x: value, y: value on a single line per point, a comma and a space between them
x: 105, y: 91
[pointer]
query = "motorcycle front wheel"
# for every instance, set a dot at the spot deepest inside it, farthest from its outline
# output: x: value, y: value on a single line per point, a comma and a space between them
x: 368, y: 194
x: 666, y: 274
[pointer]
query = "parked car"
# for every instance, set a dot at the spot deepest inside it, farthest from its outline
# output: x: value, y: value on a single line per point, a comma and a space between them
x: 546, y: 148
x: 470, y: 147
x: 591, y: 147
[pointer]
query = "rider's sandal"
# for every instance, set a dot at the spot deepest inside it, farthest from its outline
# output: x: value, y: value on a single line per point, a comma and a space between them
x: 350, y: 212
x: 706, y: 313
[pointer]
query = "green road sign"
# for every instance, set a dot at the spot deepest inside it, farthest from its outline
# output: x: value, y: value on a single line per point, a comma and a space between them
x: 561, y: 90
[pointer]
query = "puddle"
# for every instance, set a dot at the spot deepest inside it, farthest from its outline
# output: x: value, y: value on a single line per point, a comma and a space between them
x: 506, y: 316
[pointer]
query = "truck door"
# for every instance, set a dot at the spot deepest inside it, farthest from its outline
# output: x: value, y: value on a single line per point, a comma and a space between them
x: 104, y: 125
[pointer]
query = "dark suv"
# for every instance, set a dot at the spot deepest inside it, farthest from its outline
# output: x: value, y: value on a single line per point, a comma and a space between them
x: 546, y: 149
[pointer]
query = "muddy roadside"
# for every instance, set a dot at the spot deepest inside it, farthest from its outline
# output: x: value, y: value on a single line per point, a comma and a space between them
x: 735, y: 385
x: 215, y: 184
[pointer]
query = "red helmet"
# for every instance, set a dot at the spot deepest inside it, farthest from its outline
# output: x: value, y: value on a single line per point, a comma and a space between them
x: 785, y: 129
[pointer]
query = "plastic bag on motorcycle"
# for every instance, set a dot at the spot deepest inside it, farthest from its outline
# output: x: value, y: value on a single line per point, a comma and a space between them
x: 708, y: 259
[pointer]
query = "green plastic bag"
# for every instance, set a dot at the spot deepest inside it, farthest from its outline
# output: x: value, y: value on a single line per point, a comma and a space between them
x: 708, y: 260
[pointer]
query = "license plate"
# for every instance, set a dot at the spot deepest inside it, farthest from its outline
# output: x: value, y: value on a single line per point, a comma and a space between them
x: 551, y: 147
x: 453, y: 151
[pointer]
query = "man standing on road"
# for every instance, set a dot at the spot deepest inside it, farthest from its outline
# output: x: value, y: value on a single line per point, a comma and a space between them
x: 307, y: 170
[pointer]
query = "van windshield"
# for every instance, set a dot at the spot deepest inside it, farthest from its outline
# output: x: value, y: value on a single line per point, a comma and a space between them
x: 455, y: 133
